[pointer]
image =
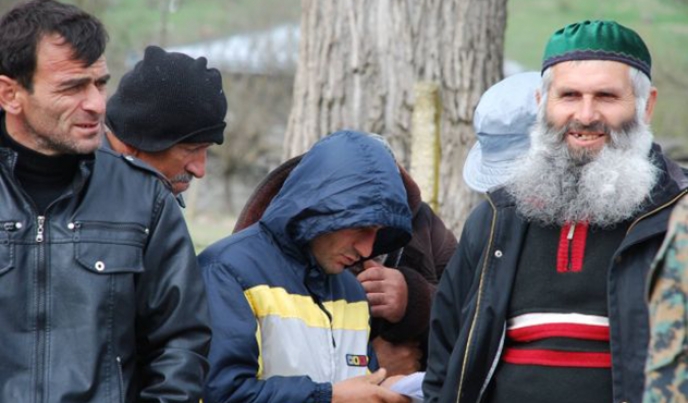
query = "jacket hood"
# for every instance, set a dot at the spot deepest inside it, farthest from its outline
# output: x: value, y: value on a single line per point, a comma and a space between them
x: 268, y: 188
x: 348, y: 179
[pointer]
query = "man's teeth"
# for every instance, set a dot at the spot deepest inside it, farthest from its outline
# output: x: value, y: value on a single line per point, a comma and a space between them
x: 586, y: 136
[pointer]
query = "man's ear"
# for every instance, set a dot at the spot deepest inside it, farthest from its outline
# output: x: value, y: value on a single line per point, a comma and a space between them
x: 133, y: 151
x: 538, y: 97
x: 650, y: 105
x: 120, y: 146
x: 9, y: 95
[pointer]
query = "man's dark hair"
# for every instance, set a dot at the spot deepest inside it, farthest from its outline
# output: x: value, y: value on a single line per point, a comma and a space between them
x: 23, y: 27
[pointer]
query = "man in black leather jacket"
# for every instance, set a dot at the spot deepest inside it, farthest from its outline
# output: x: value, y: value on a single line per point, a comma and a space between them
x: 100, y: 296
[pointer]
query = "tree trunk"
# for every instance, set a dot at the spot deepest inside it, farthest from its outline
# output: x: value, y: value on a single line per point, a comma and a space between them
x: 473, y: 50
x: 359, y: 61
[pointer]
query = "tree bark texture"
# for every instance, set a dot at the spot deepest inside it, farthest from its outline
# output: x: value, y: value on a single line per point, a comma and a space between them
x: 359, y: 61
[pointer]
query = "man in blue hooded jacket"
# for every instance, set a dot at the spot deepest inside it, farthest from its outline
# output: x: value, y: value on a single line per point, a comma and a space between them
x: 289, y: 323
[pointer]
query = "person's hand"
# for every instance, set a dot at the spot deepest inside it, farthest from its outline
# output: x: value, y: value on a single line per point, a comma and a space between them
x: 386, y: 290
x: 388, y: 382
x: 398, y: 359
x: 365, y: 389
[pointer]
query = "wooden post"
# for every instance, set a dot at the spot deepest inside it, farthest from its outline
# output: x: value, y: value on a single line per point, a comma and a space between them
x: 425, y: 141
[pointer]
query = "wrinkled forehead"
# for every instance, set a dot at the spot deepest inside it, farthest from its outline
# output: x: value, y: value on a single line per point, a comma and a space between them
x: 57, y: 59
x: 590, y: 76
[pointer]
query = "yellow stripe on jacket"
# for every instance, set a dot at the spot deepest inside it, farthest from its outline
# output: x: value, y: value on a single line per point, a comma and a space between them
x: 296, y: 338
x: 276, y: 301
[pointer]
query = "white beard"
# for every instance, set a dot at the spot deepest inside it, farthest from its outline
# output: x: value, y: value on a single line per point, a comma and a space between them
x: 554, y: 185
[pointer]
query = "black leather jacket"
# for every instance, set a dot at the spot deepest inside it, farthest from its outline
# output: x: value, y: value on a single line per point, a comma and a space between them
x: 101, y: 299
x: 470, y: 308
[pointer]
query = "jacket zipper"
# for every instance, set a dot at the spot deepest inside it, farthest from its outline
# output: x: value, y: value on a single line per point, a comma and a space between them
x: 322, y: 308
x: 569, y: 237
x: 477, y: 305
x: 41, y: 281
x: 333, y: 348
x: 329, y: 319
x: 40, y: 229
x: 651, y: 273
x: 109, y: 225
x: 121, y: 378
x: 41, y: 307
x: 495, y: 363
x: 42, y: 297
x: 662, y: 207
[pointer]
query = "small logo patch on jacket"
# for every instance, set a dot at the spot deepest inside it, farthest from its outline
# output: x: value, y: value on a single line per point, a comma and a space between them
x: 356, y: 360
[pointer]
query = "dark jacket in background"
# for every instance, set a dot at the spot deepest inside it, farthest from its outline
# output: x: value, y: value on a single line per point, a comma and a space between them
x: 101, y: 299
x: 470, y: 309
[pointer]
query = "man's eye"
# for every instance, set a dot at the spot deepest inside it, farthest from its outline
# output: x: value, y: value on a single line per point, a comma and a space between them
x: 71, y: 89
x: 608, y: 95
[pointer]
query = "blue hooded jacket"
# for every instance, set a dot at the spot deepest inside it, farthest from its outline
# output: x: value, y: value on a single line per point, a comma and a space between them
x: 283, y: 330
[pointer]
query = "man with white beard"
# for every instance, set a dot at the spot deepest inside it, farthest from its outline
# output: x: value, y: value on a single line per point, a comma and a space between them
x: 543, y: 300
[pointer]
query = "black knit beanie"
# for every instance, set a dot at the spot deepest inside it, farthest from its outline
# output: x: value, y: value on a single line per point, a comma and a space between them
x: 168, y: 98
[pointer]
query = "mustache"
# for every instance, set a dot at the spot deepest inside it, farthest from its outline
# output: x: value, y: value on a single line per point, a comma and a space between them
x: 619, y: 136
x: 577, y: 126
x: 599, y: 127
x: 181, y: 178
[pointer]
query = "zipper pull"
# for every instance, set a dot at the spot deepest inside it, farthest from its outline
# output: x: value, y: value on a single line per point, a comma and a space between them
x: 572, y: 229
x: 41, y: 229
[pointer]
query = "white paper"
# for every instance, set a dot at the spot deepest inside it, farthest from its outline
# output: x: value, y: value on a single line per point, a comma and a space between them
x: 411, y: 386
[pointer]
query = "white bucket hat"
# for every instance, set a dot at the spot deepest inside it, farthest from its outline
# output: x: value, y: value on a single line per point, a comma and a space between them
x: 502, y: 122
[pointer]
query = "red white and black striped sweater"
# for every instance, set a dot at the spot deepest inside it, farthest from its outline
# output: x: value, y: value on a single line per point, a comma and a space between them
x: 557, y: 336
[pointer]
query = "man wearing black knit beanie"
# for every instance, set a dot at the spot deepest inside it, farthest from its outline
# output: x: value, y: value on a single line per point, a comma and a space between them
x: 167, y: 112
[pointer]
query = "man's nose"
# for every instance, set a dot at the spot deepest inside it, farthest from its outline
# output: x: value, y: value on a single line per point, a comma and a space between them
x: 587, y: 111
x: 365, y: 242
x: 196, y: 166
x: 95, y: 100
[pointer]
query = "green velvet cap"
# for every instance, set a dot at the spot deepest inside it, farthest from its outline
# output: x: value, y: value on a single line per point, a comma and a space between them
x: 597, y: 40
